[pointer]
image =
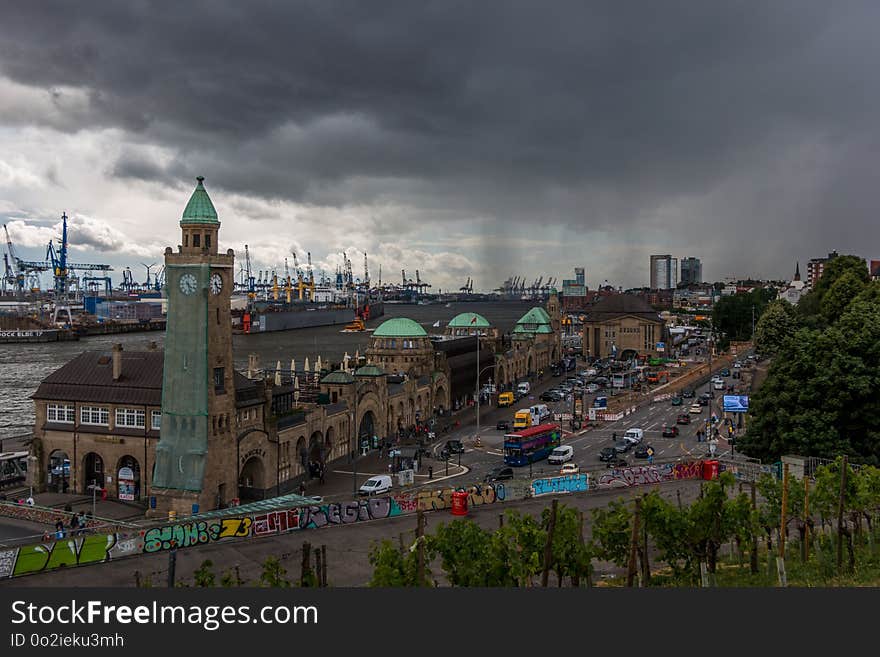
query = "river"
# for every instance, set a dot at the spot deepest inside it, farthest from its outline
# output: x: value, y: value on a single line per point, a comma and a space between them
x: 23, y: 366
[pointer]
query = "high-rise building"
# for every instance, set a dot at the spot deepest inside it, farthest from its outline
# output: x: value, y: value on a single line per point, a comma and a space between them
x: 579, y: 276
x: 664, y: 272
x: 816, y: 267
x: 691, y: 270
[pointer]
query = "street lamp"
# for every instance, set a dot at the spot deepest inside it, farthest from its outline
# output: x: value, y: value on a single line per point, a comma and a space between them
x: 488, y: 367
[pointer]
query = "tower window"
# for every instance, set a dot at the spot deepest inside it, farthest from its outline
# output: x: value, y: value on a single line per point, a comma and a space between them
x: 218, y: 315
x: 186, y: 239
x: 196, y: 239
x: 207, y: 240
x: 219, y: 384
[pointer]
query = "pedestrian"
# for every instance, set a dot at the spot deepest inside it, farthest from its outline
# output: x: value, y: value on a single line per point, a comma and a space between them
x: 59, y: 529
x: 614, y: 436
x: 321, y: 473
x: 30, y: 500
x: 74, y: 525
x: 81, y: 518
x: 430, y: 472
x: 302, y: 488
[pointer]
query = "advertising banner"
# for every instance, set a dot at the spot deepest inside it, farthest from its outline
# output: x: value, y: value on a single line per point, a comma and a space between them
x: 736, y: 403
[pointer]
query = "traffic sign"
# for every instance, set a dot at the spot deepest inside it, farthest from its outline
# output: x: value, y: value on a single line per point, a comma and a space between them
x: 650, y: 451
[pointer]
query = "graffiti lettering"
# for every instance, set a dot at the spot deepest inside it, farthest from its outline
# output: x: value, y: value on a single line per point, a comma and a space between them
x: 69, y: 552
x: 7, y: 562
x: 277, y: 522
x: 177, y: 536
x: 231, y: 528
x: 430, y: 500
x: 345, y: 513
x: 567, y: 484
x: 636, y: 476
x: 690, y: 470
x: 407, y: 503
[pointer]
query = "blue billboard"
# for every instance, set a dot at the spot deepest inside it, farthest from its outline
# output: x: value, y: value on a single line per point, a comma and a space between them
x: 736, y: 403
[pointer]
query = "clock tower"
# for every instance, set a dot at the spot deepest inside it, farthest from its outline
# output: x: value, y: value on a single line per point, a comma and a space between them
x: 195, y: 457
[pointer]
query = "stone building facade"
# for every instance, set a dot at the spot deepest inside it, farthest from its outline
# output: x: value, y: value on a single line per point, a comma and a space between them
x: 623, y: 326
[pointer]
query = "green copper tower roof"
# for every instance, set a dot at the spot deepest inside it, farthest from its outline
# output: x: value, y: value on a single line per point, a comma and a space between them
x: 399, y: 327
x: 466, y: 320
x: 199, y: 210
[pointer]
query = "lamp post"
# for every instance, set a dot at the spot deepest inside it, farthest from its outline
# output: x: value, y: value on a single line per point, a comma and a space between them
x: 94, y: 488
x: 479, y: 373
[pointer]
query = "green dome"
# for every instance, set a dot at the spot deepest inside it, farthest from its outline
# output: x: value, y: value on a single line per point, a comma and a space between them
x: 199, y: 210
x: 535, y: 316
x: 399, y: 327
x: 338, y: 377
x: 466, y: 320
x: 369, y: 370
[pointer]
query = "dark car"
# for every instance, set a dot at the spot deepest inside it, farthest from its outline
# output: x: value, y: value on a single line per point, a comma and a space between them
x: 670, y: 431
x: 503, y: 425
x: 616, y: 462
x: 725, y: 372
x: 676, y: 401
x: 607, y: 454
x: 551, y: 396
x: 622, y: 446
x: 499, y: 473
x: 642, y: 451
x: 683, y: 418
x: 454, y: 447
x: 703, y: 401
x: 687, y: 393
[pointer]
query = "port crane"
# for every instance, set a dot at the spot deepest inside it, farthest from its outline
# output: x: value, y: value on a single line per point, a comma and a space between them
x: 24, y: 273
x: 468, y: 287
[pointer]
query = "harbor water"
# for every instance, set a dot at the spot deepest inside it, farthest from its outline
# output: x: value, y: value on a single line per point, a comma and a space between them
x: 25, y: 365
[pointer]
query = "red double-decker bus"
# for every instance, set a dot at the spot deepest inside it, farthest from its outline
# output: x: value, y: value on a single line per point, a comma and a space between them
x: 532, y: 444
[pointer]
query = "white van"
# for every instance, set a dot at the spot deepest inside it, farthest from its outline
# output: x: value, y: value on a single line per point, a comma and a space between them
x: 376, y: 485
x: 539, y: 412
x: 523, y: 387
x: 561, y: 454
x: 633, y: 436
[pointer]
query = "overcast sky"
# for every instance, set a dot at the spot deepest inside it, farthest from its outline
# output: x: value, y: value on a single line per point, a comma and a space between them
x: 457, y: 138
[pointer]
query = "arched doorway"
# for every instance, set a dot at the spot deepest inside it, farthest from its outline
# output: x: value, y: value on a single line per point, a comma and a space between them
x: 440, y: 400
x: 252, y: 479
x: 58, y: 475
x: 92, y: 473
x: 329, y: 440
x: 302, y: 453
x: 366, y: 430
x: 628, y: 354
x: 530, y: 365
x: 316, y: 447
x: 128, y: 479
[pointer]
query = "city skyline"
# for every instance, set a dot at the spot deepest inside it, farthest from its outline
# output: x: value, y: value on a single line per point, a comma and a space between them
x: 488, y: 142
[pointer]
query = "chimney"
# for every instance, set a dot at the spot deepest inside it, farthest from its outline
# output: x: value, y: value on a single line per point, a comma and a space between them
x: 253, y: 365
x: 117, y: 362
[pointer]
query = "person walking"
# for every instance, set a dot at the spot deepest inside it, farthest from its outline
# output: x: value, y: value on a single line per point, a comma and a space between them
x: 430, y: 472
x: 302, y: 488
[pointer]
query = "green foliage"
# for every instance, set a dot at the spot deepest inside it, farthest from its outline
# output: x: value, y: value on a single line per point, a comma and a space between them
x: 391, y: 568
x: 465, y: 552
x: 520, y: 544
x: 273, y: 574
x: 231, y: 579
x: 777, y: 324
x: 668, y: 527
x: 844, y: 290
x: 203, y: 576
x: 612, y: 530
x: 571, y: 556
x: 732, y: 315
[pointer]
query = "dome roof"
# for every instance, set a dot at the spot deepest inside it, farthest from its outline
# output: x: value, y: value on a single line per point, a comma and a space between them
x: 399, y: 327
x: 536, y: 315
x: 369, y: 370
x: 338, y: 377
x: 467, y: 320
x: 199, y: 210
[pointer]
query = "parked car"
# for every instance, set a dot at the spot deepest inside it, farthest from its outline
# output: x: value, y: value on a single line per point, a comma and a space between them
x: 607, y: 454
x: 670, y: 431
x: 641, y: 452
x: 569, y: 469
x: 622, y: 446
x: 375, y: 485
x: 592, y: 388
x: 737, y: 365
x: 499, y: 473
x: 696, y: 408
x: 683, y: 418
x: 725, y: 372
x: 616, y: 462
x: 676, y: 401
x: 503, y: 425
x: 687, y: 394
x: 550, y: 396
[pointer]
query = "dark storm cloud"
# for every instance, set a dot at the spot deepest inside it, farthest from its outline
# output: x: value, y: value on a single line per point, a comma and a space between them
x: 573, y: 114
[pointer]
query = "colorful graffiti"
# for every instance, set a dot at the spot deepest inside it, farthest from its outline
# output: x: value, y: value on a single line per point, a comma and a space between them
x: 185, y: 535
x: 478, y: 495
x: 346, y: 513
x: 566, y: 484
x: 651, y: 474
x: 276, y: 522
x: 70, y: 552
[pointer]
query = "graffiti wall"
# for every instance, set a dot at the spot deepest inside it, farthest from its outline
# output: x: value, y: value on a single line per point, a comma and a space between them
x: 641, y: 475
x: 567, y: 484
x: 69, y: 552
x: 478, y: 495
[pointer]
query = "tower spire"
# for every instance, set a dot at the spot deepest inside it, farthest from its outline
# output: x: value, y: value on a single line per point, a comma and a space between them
x: 797, y: 271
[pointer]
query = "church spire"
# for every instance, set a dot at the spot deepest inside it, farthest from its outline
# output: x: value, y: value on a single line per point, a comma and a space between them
x: 797, y: 271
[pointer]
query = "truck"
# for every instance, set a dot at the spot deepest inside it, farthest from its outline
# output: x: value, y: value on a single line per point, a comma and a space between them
x: 522, y: 419
x: 539, y: 412
x: 523, y: 388
x: 505, y: 399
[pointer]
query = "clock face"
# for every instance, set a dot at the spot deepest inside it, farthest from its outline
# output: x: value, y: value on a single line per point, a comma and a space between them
x: 188, y: 283
x: 216, y: 284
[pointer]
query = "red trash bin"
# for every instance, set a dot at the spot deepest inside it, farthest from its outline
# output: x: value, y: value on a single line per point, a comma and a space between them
x: 459, y: 503
x: 710, y: 470
x: 103, y: 493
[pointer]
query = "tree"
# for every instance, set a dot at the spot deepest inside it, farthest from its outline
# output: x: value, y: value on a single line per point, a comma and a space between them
x: 464, y: 549
x: 520, y: 545
x: 668, y: 527
x: 203, y: 575
x: 391, y: 567
x: 712, y: 519
x: 732, y: 315
x: 570, y: 555
x: 612, y: 529
x: 273, y: 574
x: 777, y: 324
x: 844, y: 290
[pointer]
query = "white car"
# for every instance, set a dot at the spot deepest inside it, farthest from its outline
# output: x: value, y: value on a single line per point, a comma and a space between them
x: 634, y: 436
x: 569, y: 469
x: 561, y: 455
x: 592, y: 388
x: 696, y: 408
